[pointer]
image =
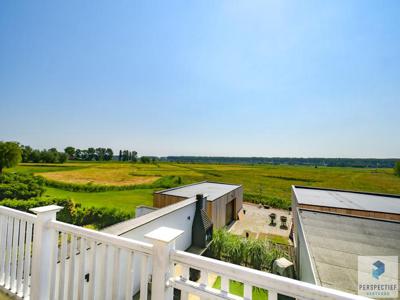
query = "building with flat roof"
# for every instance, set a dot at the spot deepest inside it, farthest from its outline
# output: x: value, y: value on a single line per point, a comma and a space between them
x: 224, y: 201
x: 333, y: 227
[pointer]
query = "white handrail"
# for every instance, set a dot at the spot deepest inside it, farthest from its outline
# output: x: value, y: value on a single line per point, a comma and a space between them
x: 279, y: 284
x: 17, y: 214
x: 102, y: 237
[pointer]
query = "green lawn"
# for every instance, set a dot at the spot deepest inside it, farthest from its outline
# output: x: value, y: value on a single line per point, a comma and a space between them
x: 236, y: 288
x: 126, y: 200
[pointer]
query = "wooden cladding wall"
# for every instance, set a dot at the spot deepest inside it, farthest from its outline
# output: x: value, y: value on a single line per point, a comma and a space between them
x: 162, y: 200
x: 216, y: 209
x: 352, y: 212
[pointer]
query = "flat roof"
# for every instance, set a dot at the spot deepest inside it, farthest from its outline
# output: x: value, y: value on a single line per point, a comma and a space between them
x: 128, y: 225
x: 336, y: 241
x: 348, y: 199
x: 213, y: 190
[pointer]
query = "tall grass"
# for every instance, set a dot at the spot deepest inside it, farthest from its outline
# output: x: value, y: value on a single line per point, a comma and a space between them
x: 257, y: 254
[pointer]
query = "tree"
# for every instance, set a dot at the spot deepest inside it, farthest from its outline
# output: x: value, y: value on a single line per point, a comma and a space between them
x: 120, y: 155
x: 91, y: 152
x: 26, y: 153
x: 144, y: 159
x: 397, y: 168
x: 78, y: 154
x: 109, y: 154
x: 10, y: 155
x: 125, y: 155
x: 35, y: 156
x: 134, y: 156
x: 70, y: 152
x: 62, y: 157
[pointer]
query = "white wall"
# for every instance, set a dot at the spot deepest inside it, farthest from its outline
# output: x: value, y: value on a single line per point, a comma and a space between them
x: 143, y: 210
x: 181, y: 218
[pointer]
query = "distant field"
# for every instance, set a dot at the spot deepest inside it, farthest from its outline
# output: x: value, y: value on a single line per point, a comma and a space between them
x: 266, y: 182
x: 126, y: 200
x: 103, y: 174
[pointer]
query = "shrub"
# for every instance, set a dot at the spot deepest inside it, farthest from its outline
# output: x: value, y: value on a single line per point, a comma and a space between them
x: 100, y: 217
x: 67, y: 214
x: 97, y: 217
x: 267, y: 200
x: 397, y: 168
x: 257, y: 254
x: 20, y: 186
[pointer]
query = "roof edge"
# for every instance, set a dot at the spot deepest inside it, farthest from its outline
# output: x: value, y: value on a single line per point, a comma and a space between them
x: 294, y: 187
x: 195, y: 183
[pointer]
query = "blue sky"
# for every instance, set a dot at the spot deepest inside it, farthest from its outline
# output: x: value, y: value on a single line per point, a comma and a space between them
x: 231, y: 78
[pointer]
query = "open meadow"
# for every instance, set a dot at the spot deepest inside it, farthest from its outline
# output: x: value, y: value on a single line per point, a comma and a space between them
x: 126, y: 185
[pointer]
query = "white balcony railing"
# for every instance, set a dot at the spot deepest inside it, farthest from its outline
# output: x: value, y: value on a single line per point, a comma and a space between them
x: 41, y: 258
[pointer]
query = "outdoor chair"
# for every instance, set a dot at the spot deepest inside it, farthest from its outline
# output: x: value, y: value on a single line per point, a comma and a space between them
x: 272, y: 217
x: 283, y: 222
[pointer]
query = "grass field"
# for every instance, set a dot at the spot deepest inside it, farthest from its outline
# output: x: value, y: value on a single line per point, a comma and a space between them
x: 267, y: 182
x: 237, y: 288
x: 126, y: 200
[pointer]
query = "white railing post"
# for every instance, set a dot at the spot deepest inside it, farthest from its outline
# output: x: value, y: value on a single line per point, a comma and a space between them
x: 44, y: 239
x: 163, y: 240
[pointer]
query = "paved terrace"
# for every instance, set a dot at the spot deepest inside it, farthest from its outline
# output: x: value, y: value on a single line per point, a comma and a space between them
x: 256, y: 222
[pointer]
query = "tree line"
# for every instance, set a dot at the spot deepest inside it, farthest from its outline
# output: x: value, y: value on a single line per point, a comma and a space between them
x: 51, y: 155
x: 98, y: 154
x: 328, y: 162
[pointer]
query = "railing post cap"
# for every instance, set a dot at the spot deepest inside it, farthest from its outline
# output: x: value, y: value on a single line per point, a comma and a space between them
x: 46, y: 209
x: 164, y: 234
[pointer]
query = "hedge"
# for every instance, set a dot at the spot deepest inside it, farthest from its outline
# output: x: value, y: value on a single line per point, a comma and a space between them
x: 20, y: 186
x: 164, y: 182
x: 73, y: 213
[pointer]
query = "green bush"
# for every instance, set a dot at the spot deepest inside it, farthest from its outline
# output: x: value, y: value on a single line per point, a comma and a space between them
x: 267, y: 200
x: 67, y: 214
x: 257, y: 254
x: 98, y: 217
x: 397, y: 168
x: 20, y: 186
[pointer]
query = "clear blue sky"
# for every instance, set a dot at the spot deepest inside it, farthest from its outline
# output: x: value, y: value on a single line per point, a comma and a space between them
x: 232, y: 78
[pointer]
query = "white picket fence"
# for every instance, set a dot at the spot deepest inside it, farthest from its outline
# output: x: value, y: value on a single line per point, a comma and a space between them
x: 41, y: 258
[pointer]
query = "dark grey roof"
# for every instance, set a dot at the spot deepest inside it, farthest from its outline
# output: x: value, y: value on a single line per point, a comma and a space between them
x: 348, y: 199
x: 336, y: 241
x: 213, y: 190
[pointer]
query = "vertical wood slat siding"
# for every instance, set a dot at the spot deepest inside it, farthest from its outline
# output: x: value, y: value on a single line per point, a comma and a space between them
x: 225, y: 284
x: 144, y: 273
x: 248, y: 292
x: 13, y: 283
x: 185, y: 275
x: 8, y: 253
x: 21, y: 247
x: 106, y: 273
x: 272, y: 295
x: 15, y: 253
x: 129, y: 275
x: 62, y: 265
x: 53, y: 291
x: 92, y: 277
x: 115, y: 281
x: 72, y: 268
x: 27, y: 260
x: 3, y: 243
x: 81, y: 270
